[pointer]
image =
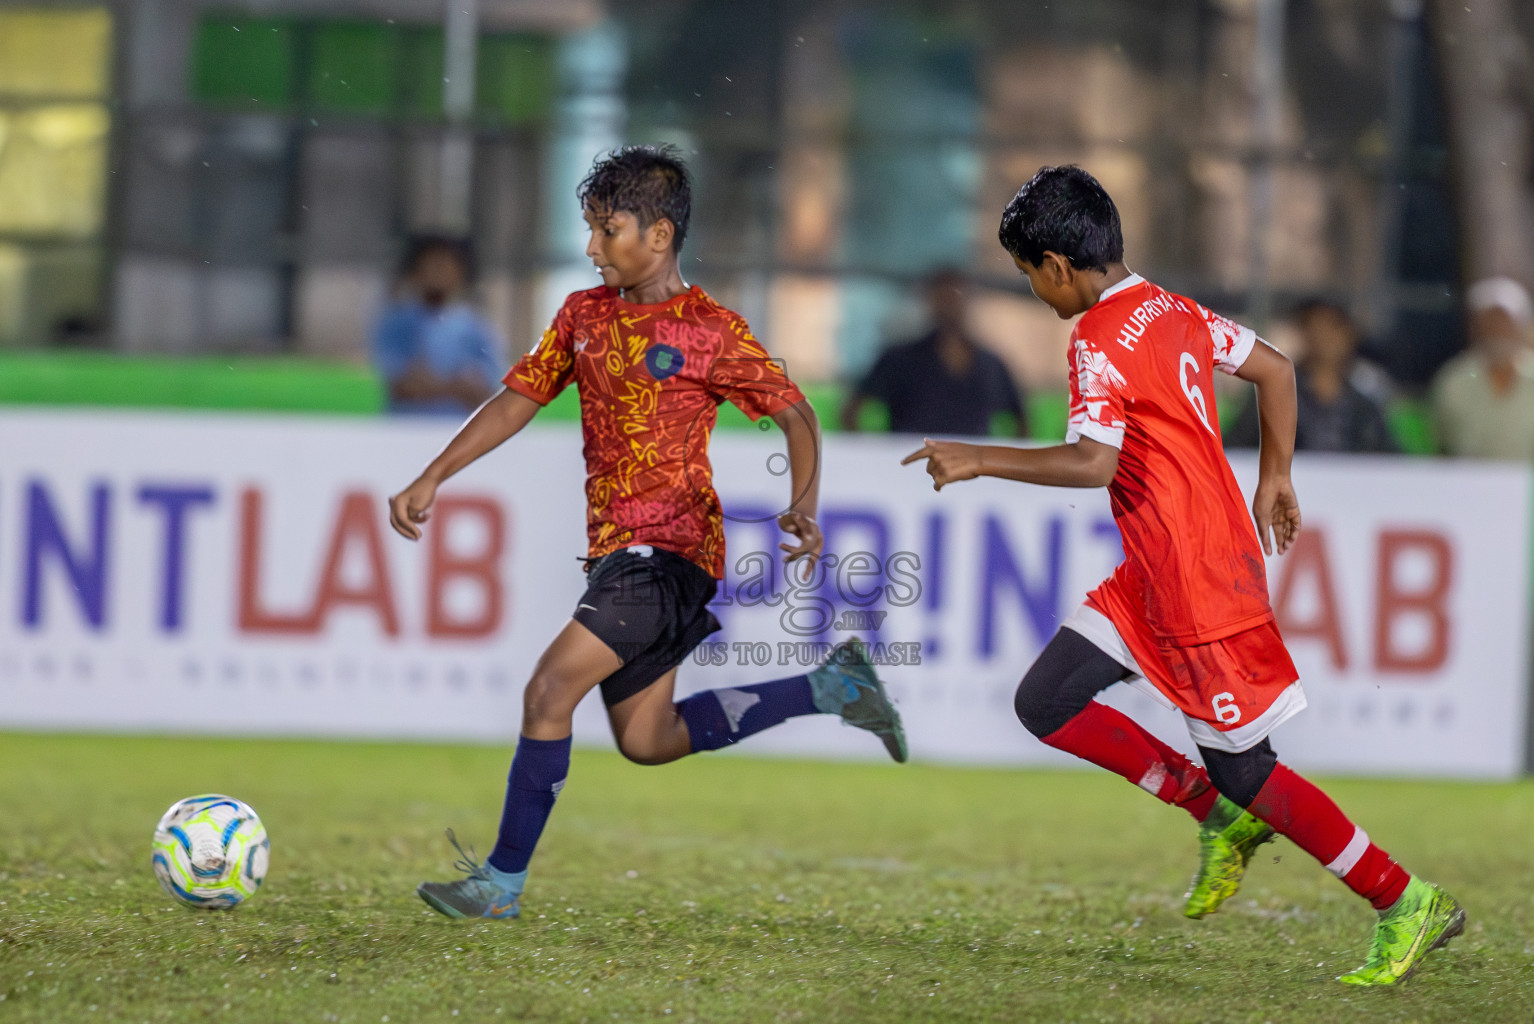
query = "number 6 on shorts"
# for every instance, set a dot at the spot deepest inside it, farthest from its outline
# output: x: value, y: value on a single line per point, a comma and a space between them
x: 1225, y: 708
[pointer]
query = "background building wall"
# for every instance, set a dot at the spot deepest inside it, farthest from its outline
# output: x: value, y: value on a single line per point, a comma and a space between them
x: 206, y: 176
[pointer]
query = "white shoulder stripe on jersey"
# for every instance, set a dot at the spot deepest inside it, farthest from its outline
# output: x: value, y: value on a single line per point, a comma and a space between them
x: 1084, y: 427
x: 1239, y: 352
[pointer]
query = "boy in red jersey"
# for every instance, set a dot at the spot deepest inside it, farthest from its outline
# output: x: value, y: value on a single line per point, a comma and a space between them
x: 652, y: 357
x: 1187, y: 610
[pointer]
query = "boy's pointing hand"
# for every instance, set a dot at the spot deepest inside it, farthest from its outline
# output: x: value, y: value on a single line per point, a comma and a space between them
x: 947, y: 461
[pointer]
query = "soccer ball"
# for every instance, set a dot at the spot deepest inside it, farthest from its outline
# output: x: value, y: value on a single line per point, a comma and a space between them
x: 210, y: 851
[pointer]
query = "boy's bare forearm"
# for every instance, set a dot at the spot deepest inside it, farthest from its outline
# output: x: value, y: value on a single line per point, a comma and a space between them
x: 1277, y: 407
x: 1084, y: 463
x: 1278, y: 418
x: 801, y: 430
x: 491, y: 425
x: 1278, y: 415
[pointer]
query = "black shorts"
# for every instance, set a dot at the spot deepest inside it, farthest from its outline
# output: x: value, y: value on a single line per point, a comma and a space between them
x: 651, y: 607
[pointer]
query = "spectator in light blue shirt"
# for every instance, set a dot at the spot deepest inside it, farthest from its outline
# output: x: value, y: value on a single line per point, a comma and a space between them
x: 436, y: 353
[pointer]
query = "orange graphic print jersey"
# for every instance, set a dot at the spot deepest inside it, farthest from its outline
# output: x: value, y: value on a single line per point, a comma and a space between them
x: 651, y: 378
x: 1141, y: 366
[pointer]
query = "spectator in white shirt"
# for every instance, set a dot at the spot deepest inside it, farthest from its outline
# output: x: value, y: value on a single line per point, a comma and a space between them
x: 1483, y: 399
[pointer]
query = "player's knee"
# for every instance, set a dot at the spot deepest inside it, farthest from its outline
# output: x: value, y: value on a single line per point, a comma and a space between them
x: 544, y: 701
x: 1034, y: 706
x: 643, y: 750
x: 1240, y: 777
x: 1067, y: 674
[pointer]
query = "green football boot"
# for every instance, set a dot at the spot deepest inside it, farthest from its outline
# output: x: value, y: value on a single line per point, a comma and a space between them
x: 1424, y: 918
x: 1227, y: 839
x: 486, y: 892
x: 847, y: 686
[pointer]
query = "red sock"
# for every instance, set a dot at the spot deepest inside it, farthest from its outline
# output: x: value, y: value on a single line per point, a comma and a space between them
x: 1306, y: 815
x: 1114, y: 741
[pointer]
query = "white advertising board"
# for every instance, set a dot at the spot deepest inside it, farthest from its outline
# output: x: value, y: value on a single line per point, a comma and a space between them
x: 236, y: 574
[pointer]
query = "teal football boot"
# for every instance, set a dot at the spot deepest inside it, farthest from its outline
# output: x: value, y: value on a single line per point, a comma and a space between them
x: 847, y: 686
x: 486, y: 892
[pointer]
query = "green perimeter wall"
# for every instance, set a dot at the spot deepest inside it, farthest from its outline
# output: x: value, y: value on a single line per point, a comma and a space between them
x: 304, y: 385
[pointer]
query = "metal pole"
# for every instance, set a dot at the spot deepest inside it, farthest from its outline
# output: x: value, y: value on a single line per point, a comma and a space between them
x: 1267, y: 132
x: 1483, y: 70
x: 1405, y: 19
x: 459, y: 65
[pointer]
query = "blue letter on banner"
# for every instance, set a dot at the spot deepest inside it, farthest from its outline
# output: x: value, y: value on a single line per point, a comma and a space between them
x: 87, y: 570
x: 1040, y: 600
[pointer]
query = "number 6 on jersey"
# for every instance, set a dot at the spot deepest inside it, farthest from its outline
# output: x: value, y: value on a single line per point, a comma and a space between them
x: 1225, y: 708
x: 1192, y: 390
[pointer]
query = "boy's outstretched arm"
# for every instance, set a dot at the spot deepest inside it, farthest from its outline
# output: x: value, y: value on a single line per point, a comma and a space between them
x: 1083, y: 463
x: 1274, y: 507
x: 801, y: 427
x: 495, y: 421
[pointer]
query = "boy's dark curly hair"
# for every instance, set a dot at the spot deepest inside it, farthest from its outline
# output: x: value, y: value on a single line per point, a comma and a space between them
x: 650, y: 182
x: 1063, y: 210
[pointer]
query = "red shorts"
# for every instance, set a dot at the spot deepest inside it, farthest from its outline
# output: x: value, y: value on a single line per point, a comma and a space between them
x: 1232, y: 692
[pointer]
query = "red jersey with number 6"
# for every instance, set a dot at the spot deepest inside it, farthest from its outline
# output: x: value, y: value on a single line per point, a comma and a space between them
x: 1141, y: 364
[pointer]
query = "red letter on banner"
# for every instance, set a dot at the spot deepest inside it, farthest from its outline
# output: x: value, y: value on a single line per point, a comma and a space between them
x: 254, y: 618
x: 358, y: 521
x: 1427, y: 602
x: 1308, y: 555
x: 483, y: 567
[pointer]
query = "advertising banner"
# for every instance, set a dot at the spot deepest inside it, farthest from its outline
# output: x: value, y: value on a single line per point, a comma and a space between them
x: 232, y: 574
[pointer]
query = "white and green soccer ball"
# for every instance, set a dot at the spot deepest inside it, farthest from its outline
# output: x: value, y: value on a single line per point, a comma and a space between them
x: 210, y: 851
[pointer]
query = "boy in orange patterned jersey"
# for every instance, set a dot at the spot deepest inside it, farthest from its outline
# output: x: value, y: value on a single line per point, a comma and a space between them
x: 652, y: 358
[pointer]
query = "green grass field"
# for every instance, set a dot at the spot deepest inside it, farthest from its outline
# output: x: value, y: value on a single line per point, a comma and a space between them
x: 719, y: 889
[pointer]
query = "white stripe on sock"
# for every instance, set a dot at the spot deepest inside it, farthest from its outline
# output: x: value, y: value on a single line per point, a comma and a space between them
x: 1153, y: 778
x: 735, y: 704
x: 1350, y: 853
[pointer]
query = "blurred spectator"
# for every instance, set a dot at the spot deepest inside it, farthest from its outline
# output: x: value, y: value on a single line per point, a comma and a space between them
x: 1484, y: 397
x: 1339, y: 396
x: 436, y: 353
x: 943, y: 382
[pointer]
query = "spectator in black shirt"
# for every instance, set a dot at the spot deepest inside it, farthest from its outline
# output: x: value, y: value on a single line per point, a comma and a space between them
x: 943, y: 382
x: 1335, y: 414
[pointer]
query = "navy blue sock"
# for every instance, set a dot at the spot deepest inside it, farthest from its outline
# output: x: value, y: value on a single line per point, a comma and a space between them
x: 718, y: 718
x: 538, y: 772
